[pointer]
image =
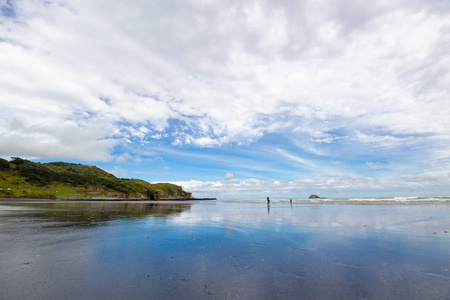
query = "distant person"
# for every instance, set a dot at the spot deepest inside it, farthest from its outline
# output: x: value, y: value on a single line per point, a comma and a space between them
x: 290, y: 200
x: 268, y: 200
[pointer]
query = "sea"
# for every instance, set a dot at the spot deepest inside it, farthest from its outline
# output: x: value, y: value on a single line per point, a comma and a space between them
x: 356, y: 248
x: 371, y: 201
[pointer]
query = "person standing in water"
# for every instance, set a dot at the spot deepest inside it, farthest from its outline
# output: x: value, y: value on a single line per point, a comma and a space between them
x: 268, y: 201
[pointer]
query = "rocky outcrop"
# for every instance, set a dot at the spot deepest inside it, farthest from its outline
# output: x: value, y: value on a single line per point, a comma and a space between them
x: 314, y: 197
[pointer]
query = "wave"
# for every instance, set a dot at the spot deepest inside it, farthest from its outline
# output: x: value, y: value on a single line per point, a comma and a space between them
x: 362, y: 200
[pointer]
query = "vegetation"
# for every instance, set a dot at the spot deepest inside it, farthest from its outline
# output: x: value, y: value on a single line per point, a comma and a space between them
x: 4, y: 164
x: 24, y: 178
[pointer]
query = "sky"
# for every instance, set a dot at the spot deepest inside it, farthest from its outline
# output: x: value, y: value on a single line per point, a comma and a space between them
x: 234, y: 99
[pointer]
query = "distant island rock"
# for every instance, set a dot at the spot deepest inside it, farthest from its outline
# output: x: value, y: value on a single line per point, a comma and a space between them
x: 314, y: 197
x: 21, y: 178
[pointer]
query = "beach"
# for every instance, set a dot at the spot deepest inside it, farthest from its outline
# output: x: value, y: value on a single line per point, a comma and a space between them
x: 224, y: 250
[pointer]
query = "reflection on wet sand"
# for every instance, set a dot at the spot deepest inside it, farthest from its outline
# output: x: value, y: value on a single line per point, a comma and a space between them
x: 219, y: 250
x: 93, y: 214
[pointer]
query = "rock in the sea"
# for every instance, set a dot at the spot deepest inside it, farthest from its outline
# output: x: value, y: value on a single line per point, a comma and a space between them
x: 313, y: 196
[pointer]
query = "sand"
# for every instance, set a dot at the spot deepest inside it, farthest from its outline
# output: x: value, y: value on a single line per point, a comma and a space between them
x: 223, y: 250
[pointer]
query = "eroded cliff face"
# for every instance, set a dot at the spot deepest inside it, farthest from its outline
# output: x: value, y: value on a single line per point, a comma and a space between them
x: 164, y: 196
x: 159, y: 195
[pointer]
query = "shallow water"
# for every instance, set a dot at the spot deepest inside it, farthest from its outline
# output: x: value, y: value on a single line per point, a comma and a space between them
x: 224, y: 250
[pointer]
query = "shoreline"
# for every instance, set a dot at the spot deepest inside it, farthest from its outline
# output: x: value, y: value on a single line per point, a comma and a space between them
x: 100, y: 199
x: 41, y: 200
x: 358, y: 202
x: 46, y: 201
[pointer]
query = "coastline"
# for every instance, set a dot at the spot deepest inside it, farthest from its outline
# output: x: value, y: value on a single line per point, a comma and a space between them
x: 101, y: 199
x: 439, y: 200
x: 15, y: 200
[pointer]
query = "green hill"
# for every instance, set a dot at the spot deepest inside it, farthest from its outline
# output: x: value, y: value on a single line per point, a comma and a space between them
x: 27, y: 179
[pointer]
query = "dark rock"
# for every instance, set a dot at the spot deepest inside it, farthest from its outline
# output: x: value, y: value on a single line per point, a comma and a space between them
x: 313, y: 196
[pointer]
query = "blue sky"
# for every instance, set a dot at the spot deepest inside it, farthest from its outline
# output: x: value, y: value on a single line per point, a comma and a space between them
x: 234, y: 98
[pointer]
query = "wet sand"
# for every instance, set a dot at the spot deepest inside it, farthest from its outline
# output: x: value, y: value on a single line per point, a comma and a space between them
x: 223, y: 250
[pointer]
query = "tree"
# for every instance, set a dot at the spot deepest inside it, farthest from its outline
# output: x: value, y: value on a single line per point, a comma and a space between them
x: 17, y: 161
x: 4, y: 164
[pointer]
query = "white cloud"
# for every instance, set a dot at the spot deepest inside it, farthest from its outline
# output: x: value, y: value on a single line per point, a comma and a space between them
x: 79, y: 79
x: 426, y: 177
x: 375, y: 165
x: 118, y: 172
x: 55, y: 140
x: 336, y: 185
x: 386, y: 141
x: 303, y: 162
x: 229, y: 176
x: 252, y: 58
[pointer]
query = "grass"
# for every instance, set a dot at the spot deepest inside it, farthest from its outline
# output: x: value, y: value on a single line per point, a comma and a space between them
x: 19, y: 187
x: 23, y: 178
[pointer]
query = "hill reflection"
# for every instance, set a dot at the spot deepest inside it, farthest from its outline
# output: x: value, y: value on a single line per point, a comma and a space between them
x: 92, y: 214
